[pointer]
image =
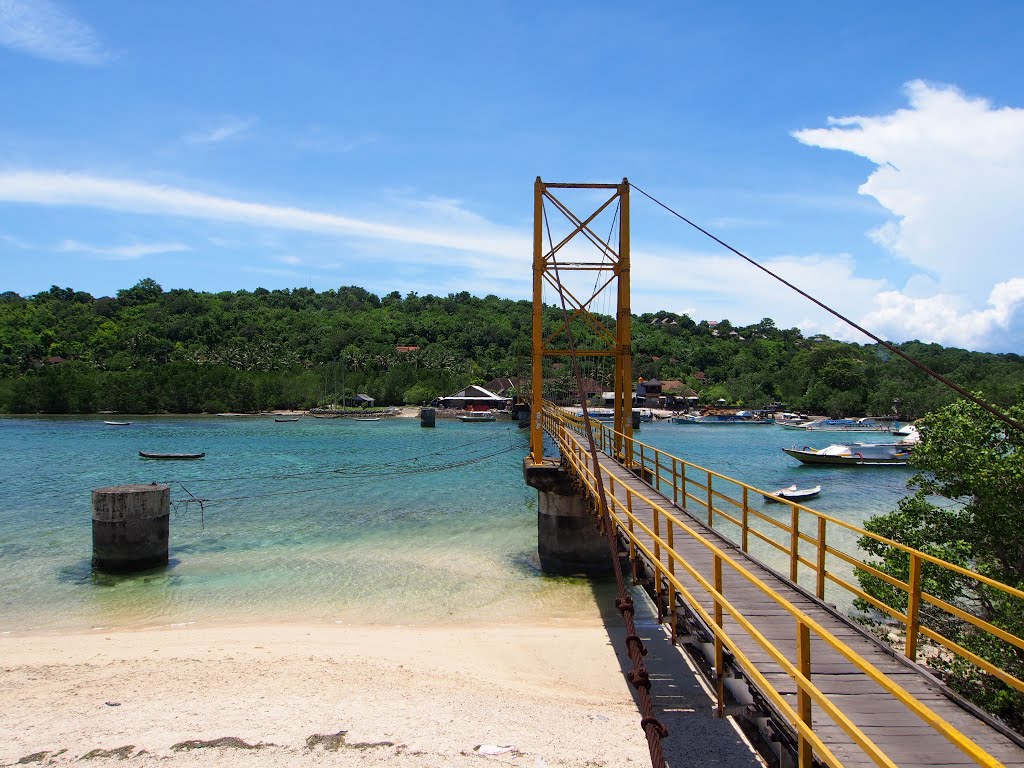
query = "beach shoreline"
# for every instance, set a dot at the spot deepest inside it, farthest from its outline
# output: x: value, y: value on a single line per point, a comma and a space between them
x: 311, y: 694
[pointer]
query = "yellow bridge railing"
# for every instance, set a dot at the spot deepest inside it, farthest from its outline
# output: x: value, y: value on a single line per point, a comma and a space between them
x: 725, y: 503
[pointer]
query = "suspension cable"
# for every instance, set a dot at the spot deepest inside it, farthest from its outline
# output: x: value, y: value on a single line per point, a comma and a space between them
x: 1009, y: 420
x: 654, y: 729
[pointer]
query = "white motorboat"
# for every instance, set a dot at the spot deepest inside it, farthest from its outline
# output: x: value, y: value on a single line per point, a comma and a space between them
x: 792, y: 493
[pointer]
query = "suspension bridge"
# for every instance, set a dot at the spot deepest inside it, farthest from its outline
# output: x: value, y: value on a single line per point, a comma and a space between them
x: 809, y: 685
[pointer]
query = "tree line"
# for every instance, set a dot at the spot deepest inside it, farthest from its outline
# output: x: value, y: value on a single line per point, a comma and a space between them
x: 147, y: 350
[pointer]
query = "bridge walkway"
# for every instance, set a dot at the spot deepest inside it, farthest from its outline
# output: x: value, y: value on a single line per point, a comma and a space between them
x: 903, y: 737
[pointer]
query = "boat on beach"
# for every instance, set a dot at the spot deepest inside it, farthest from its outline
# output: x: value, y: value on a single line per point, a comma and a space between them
x: 791, y: 419
x: 853, y: 454
x: 721, y: 417
x: 792, y: 493
x: 171, y: 456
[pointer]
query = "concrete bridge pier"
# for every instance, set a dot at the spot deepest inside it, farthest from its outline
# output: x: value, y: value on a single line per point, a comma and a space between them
x: 568, y: 539
x: 130, y: 527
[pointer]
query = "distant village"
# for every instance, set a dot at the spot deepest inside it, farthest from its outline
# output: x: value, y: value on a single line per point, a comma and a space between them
x: 500, y: 394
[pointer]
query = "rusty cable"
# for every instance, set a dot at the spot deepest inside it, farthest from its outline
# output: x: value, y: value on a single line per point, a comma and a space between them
x: 1008, y: 420
x: 653, y: 728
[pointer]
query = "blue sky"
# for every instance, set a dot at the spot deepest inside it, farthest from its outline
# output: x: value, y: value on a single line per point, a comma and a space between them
x: 872, y: 153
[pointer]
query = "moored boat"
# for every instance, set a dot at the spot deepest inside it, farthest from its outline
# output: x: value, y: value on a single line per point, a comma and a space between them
x: 792, y: 493
x: 866, y: 424
x: 283, y: 419
x: 478, y: 416
x: 721, y: 417
x: 171, y: 456
x: 118, y: 423
x: 598, y: 414
x: 366, y: 418
x: 853, y: 454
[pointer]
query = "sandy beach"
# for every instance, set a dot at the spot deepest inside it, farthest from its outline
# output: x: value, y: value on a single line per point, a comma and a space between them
x: 319, y: 695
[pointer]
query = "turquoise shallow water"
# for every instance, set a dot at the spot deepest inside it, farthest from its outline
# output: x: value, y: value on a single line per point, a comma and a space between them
x: 325, y: 520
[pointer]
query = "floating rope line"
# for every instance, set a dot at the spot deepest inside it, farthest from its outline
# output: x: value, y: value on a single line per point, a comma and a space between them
x: 193, y: 500
x: 653, y: 728
x: 1009, y: 420
x: 367, y: 469
x: 365, y: 472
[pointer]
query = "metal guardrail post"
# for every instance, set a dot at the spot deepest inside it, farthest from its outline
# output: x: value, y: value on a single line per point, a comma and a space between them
x: 822, y: 551
x: 656, y: 521
x: 794, y: 544
x: 711, y: 502
x: 744, y: 527
x: 913, y: 606
x: 719, y: 648
x: 803, y: 699
x: 675, y: 481
x: 670, y: 539
x: 682, y: 483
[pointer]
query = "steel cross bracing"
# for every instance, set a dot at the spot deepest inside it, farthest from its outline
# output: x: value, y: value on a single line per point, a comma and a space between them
x: 547, y: 268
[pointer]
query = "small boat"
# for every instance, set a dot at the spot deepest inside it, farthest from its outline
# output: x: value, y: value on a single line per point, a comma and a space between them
x: 118, y: 423
x: 598, y: 414
x: 721, y: 417
x: 478, y: 416
x: 171, y: 456
x: 366, y: 418
x: 867, y: 424
x: 283, y: 419
x: 854, y: 454
x: 324, y: 415
x: 792, y: 493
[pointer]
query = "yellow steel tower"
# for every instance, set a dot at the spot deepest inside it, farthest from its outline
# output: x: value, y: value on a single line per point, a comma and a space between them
x: 549, y: 265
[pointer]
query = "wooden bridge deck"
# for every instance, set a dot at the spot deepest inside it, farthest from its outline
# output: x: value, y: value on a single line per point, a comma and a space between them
x: 900, y: 733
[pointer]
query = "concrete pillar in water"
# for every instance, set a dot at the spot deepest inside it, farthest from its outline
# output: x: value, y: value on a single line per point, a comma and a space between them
x: 426, y: 417
x: 130, y: 527
x: 636, y: 421
x: 522, y: 413
x: 568, y: 540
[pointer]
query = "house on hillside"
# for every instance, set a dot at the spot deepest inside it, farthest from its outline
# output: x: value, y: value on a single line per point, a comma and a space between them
x: 475, y: 398
x: 503, y: 387
x: 675, y: 394
x: 647, y: 391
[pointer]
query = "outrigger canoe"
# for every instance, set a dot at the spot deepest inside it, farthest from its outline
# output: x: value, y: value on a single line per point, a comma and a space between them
x: 171, y: 456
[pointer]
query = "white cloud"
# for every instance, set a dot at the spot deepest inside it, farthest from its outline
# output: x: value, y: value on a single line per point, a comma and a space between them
x: 227, y: 128
x: 717, y: 286
x: 318, y: 139
x: 122, y: 252
x: 465, y: 233
x: 734, y: 222
x: 15, y: 242
x: 999, y: 325
x: 949, y: 170
x: 42, y: 29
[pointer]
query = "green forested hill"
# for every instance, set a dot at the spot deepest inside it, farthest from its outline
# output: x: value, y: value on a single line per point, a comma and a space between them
x: 149, y: 350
